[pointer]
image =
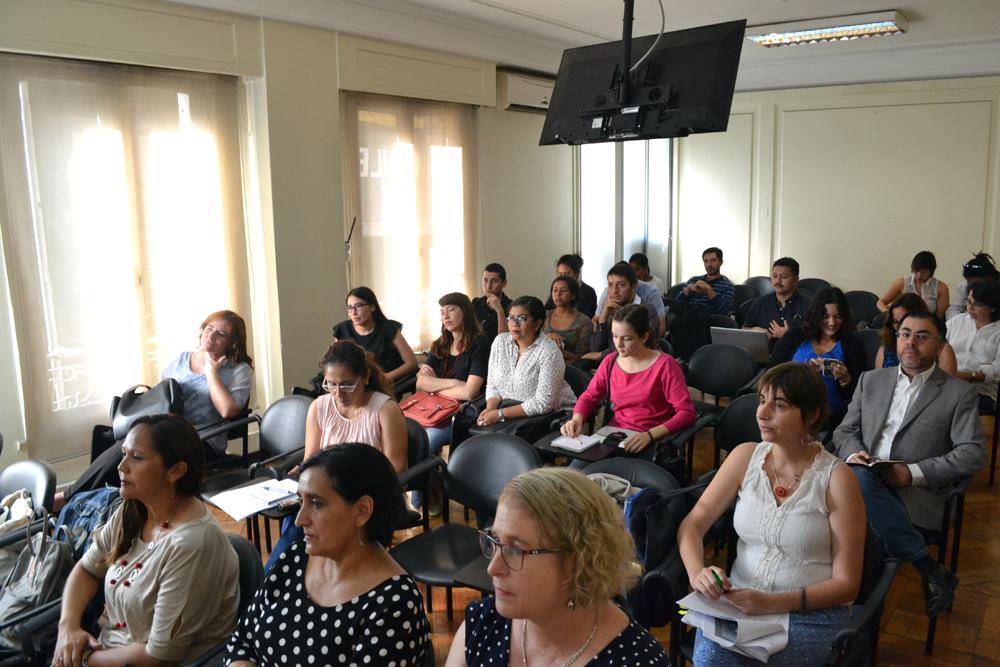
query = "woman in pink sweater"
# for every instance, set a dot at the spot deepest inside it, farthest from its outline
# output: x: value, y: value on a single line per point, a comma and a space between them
x: 647, y: 387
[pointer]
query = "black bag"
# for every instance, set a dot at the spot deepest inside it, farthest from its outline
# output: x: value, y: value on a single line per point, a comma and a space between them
x: 141, y: 401
x: 690, y: 329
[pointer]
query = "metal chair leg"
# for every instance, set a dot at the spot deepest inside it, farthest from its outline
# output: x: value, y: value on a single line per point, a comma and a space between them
x: 449, y: 605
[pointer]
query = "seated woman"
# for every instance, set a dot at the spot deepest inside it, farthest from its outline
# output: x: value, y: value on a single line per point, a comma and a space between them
x: 571, y: 266
x: 975, y: 336
x: 898, y: 309
x: 800, y: 520
x: 356, y: 407
x: 372, y: 330
x: 646, y: 387
x: 826, y: 342
x: 348, y: 601
x: 568, y: 328
x: 215, y: 382
x: 980, y: 268
x: 170, y: 577
x: 525, y: 366
x: 920, y: 282
x: 559, y: 553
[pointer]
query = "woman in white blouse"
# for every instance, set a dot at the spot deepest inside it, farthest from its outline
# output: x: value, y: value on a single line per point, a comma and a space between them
x: 975, y: 335
x: 525, y: 366
x: 800, y: 520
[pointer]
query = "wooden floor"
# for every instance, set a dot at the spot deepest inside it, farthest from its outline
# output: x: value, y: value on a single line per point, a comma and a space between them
x: 969, y: 635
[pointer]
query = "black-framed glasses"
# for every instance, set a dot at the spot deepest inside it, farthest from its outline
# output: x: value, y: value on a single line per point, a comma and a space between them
x: 513, y: 557
x: 972, y: 302
x: 357, y: 307
x: 331, y: 387
x: 520, y: 319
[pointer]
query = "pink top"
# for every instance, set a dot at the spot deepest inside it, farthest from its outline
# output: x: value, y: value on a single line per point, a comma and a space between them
x: 335, y: 428
x: 657, y: 395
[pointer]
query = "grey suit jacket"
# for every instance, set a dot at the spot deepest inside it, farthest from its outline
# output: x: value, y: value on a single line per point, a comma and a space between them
x: 940, y: 432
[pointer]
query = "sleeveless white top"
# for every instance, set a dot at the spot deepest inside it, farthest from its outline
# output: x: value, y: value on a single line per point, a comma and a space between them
x: 928, y: 293
x: 788, y: 547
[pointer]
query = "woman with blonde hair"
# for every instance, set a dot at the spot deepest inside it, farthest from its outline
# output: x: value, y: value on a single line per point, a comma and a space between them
x: 559, y: 552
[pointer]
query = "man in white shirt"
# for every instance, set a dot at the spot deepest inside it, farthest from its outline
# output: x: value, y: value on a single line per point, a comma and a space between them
x: 927, y: 420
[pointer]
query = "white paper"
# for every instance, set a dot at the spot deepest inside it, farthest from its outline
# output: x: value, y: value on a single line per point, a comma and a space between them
x: 577, y: 444
x: 244, y: 501
x: 757, y: 636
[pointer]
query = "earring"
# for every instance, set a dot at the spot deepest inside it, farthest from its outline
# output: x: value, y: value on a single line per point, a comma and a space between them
x: 571, y: 605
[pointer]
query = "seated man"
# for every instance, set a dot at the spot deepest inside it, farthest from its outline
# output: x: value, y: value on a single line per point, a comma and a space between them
x: 776, y: 313
x: 491, y: 308
x: 622, y: 284
x: 644, y: 293
x: 927, y: 419
x: 640, y: 264
x: 713, y: 291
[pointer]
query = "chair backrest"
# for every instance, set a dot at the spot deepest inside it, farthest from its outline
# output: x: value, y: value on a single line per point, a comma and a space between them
x: 761, y: 284
x: 417, y: 449
x: 251, y: 570
x: 863, y: 305
x: 877, y: 322
x: 720, y: 370
x: 665, y: 346
x: 738, y: 423
x: 639, y: 473
x: 813, y: 284
x: 725, y: 321
x: 743, y: 293
x: 871, y: 339
x: 743, y: 309
x: 479, y: 470
x: 577, y: 379
x: 37, y: 477
x: 283, y: 425
x: 674, y: 291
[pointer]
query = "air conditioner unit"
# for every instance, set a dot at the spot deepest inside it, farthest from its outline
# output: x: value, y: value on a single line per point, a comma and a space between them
x: 521, y: 92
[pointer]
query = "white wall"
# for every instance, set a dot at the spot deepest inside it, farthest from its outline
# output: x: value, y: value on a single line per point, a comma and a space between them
x: 851, y: 181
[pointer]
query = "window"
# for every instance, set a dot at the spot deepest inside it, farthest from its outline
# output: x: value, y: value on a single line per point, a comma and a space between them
x: 624, y: 205
x: 125, y: 229
x: 411, y: 184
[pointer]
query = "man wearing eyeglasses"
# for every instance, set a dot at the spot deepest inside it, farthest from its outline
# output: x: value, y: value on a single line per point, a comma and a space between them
x: 491, y: 308
x: 981, y: 267
x: 927, y: 423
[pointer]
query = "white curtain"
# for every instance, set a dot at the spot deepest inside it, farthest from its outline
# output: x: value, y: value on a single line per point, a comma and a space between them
x: 123, y: 228
x: 411, y: 182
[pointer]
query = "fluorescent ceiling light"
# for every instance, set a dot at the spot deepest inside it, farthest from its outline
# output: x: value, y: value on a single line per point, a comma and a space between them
x: 833, y: 29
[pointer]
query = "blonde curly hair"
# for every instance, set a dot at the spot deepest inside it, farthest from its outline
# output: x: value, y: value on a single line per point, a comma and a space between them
x: 579, y: 518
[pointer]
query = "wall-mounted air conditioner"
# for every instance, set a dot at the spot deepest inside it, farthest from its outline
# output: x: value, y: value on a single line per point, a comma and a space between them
x: 522, y: 92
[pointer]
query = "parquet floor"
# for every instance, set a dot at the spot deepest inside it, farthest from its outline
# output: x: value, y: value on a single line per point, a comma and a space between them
x: 967, y: 636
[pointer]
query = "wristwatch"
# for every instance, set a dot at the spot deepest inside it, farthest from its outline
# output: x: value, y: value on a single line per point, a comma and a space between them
x: 500, y: 412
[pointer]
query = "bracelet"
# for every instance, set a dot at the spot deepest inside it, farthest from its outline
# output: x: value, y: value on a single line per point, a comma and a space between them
x: 500, y: 412
x: 85, y: 660
x: 802, y: 599
x: 651, y: 438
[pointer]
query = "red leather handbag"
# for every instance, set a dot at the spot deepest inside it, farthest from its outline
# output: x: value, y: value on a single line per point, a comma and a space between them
x: 430, y: 410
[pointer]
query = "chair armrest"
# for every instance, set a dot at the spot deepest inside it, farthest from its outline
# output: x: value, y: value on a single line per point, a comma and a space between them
x: 749, y: 386
x: 680, y: 437
x: 293, y: 457
x: 856, y: 624
x: 209, y: 658
x: 15, y: 536
x: 213, y: 431
x: 418, y: 469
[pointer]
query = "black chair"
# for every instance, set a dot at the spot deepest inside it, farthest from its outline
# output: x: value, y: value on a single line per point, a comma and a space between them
x: 878, y: 321
x: 952, y: 516
x: 37, y: 477
x: 871, y: 339
x: 863, y: 306
x: 405, y: 385
x: 672, y: 293
x: 813, y: 284
x: 416, y: 477
x: 760, y: 284
x: 724, y: 321
x: 475, y: 476
x: 742, y: 294
x: 665, y: 346
x: 994, y: 412
x: 743, y: 310
x: 737, y: 424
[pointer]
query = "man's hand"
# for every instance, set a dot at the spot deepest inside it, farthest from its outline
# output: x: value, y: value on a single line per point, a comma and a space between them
x: 493, y: 302
x: 859, y: 457
x: 610, y: 306
x: 897, y: 475
x: 775, y: 330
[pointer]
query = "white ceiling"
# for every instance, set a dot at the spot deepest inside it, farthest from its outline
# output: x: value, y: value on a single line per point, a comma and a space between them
x: 946, y: 38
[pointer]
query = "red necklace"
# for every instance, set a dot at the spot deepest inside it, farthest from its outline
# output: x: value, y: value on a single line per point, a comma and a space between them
x: 780, y: 490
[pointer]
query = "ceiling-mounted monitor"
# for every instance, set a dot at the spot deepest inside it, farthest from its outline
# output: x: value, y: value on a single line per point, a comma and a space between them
x: 684, y: 86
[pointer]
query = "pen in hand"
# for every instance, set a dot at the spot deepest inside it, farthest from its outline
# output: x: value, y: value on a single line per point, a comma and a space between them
x: 718, y: 581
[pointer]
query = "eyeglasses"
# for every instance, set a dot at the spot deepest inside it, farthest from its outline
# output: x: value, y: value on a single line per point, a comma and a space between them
x: 513, y: 557
x: 921, y: 338
x: 520, y: 319
x: 357, y: 307
x: 972, y: 302
x: 330, y: 387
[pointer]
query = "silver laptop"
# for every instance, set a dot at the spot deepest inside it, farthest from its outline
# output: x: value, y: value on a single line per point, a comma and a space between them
x: 754, y: 342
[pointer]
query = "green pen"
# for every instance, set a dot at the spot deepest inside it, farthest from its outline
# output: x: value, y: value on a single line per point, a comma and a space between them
x: 718, y: 581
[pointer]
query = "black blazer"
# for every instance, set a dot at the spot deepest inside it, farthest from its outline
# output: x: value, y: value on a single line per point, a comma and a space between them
x: 854, y: 356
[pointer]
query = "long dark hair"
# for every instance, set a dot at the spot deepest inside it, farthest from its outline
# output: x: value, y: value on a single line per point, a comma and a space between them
x: 637, y: 317
x: 988, y: 294
x: 356, y: 359
x: 175, y: 440
x: 368, y: 296
x: 572, y: 285
x: 237, y: 351
x: 441, y: 348
x: 911, y: 302
x: 812, y: 321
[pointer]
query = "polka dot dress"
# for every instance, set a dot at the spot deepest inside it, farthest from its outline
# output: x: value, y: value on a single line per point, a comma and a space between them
x: 487, y: 641
x: 385, y: 626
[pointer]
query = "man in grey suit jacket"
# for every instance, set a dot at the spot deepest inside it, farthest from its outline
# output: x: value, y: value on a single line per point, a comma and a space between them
x: 927, y: 419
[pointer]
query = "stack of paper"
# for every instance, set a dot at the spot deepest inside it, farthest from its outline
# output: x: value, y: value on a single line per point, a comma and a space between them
x: 577, y: 444
x: 241, y: 502
x: 755, y: 636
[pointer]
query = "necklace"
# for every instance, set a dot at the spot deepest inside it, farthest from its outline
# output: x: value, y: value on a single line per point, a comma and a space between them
x: 125, y: 571
x: 780, y: 490
x: 572, y: 658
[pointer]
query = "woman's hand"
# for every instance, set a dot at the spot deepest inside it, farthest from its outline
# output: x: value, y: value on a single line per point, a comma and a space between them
x: 71, y: 646
x: 424, y: 369
x: 210, y: 365
x: 705, y: 582
x: 750, y: 601
x: 488, y: 417
x: 636, y: 443
x: 572, y: 428
x: 840, y: 373
x: 557, y: 339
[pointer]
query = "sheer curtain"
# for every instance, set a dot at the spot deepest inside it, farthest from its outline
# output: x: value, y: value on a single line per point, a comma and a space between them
x: 411, y: 182
x: 123, y: 229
